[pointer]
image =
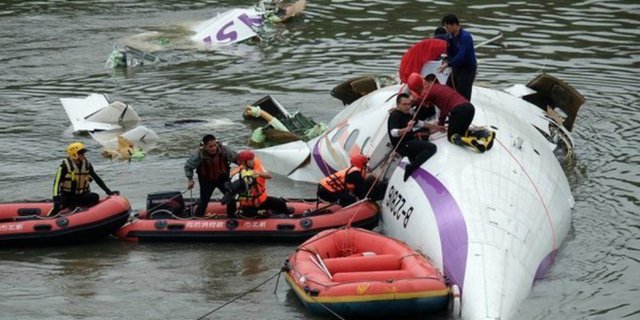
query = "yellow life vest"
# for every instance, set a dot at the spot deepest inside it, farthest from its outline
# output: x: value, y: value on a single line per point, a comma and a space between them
x: 77, y: 179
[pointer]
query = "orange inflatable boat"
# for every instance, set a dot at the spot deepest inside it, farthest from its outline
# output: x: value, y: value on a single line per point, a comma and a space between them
x: 173, y: 221
x: 26, y: 223
x: 358, y: 273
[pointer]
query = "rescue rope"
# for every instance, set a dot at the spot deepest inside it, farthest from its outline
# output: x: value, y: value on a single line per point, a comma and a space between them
x: 390, y: 156
x: 239, y: 296
x: 377, y: 178
x: 346, y: 247
x: 544, y: 204
x: 191, y: 213
x: 327, y: 308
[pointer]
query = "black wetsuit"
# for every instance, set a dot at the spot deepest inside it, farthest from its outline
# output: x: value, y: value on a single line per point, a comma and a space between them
x: 418, y: 151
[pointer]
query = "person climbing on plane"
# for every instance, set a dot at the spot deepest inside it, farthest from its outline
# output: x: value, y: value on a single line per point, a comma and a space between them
x: 455, y: 107
x: 252, y: 193
x: 402, y: 130
x: 347, y: 185
x: 71, y: 187
x: 212, y: 162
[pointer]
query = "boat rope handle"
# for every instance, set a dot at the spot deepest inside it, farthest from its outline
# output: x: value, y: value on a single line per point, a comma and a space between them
x: 59, y: 214
x: 371, y: 281
x: 316, y: 238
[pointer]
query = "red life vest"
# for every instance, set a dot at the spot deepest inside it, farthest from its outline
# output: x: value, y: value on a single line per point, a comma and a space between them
x: 214, y: 167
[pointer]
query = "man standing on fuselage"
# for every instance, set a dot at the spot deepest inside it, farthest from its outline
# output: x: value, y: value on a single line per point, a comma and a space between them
x: 461, y: 57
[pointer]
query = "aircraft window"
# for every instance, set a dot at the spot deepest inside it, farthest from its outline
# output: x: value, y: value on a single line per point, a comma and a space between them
x: 338, y: 134
x: 364, y: 144
x: 351, y: 140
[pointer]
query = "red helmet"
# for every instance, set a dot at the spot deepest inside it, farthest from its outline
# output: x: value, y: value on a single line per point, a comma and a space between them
x: 359, y: 161
x: 246, y: 155
x: 416, y: 84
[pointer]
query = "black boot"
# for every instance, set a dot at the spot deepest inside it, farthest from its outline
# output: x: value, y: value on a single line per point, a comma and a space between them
x: 408, y: 170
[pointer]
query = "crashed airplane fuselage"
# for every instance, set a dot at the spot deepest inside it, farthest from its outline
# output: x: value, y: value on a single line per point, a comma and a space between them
x: 492, y: 221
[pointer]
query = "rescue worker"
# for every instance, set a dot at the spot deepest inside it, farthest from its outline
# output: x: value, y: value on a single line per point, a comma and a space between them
x: 253, y: 196
x: 347, y: 185
x: 211, y: 161
x: 461, y: 57
x: 452, y: 105
x: 404, y: 134
x: 71, y: 185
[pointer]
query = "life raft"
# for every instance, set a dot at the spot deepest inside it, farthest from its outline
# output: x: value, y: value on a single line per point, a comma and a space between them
x: 306, y: 218
x: 26, y: 223
x: 358, y: 273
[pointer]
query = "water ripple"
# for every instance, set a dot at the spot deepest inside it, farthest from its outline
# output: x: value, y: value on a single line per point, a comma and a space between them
x: 52, y: 49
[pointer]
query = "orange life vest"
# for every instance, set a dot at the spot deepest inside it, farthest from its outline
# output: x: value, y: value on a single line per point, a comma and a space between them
x: 337, y: 182
x: 256, y: 192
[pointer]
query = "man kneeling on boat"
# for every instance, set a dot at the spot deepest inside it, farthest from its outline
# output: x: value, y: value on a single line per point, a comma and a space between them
x: 252, y: 197
x: 347, y: 185
x: 71, y: 185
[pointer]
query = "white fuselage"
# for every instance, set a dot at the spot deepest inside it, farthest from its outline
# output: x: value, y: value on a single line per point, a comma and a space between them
x: 491, y: 221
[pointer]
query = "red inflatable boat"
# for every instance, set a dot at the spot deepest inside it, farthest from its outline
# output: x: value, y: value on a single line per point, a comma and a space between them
x: 356, y: 273
x: 25, y: 223
x: 306, y: 218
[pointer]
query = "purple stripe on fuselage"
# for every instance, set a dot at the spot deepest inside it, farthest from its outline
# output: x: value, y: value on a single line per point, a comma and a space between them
x: 324, y: 167
x: 451, y: 224
x: 545, y: 264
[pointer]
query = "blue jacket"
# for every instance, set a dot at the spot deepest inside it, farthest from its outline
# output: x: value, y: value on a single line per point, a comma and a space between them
x: 461, y: 52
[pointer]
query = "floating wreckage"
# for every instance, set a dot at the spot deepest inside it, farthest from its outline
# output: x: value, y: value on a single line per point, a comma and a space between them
x: 281, y: 126
x: 237, y: 25
x: 355, y: 88
x: 113, y: 124
x: 130, y: 57
x: 229, y: 27
x: 130, y: 145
